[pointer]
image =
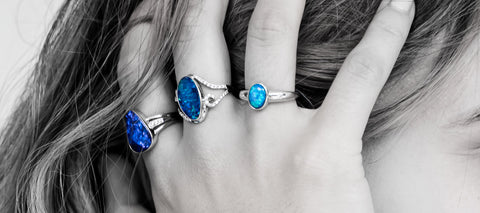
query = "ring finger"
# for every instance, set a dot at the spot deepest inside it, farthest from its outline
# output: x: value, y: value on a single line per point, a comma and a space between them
x: 202, y: 51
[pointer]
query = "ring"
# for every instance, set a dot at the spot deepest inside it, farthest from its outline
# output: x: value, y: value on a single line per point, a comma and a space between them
x: 258, y: 96
x: 192, y: 103
x: 140, y: 132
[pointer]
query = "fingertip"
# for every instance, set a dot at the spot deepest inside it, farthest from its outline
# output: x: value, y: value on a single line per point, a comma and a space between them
x: 404, y: 6
x: 367, y: 67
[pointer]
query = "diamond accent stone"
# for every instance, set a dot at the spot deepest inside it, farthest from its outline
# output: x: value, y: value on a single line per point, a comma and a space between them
x: 154, y: 123
x: 138, y: 134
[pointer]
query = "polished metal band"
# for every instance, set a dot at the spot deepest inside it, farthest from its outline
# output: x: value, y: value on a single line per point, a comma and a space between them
x: 273, y: 97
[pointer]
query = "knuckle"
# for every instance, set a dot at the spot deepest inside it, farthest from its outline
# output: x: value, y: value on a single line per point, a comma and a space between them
x: 188, y: 33
x: 329, y: 166
x: 269, y: 26
x: 391, y: 30
x: 320, y: 168
x: 365, y: 68
x: 134, y: 50
x: 191, y: 28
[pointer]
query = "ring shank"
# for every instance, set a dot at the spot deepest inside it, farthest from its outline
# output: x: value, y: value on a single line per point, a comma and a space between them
x: 281, y: 96
x: 273, y: 97
x: 159, y: 122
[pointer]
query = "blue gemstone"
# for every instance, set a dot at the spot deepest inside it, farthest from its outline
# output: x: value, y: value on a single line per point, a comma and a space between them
x: 189, y: 98
x: 139, y: 137
x: 257, y: 96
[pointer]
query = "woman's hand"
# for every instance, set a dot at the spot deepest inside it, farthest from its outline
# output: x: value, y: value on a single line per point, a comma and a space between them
x: 282, y: 158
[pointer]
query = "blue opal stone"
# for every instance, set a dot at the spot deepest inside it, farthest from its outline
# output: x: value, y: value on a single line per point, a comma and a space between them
x: 139, y: 137
x: 257, y: 96
x: 189, y: 98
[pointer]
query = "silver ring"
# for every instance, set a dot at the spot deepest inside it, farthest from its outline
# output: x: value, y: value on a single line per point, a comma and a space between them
x: 258, y: 96
x: 192, y: 103
x: 141, y: 132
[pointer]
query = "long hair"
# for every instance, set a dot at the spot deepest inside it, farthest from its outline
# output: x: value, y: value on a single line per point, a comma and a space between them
x: 69, y: 117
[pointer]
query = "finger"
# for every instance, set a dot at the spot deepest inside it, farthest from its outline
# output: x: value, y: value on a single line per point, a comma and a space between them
x: 132, y: 63
x: 354, y: 91
x: 120, y: 190
x: 158, y: 97
x: 202, y: 49
x: 272, y: 44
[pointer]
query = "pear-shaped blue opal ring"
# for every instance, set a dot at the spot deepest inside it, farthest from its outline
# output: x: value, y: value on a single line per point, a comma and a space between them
x: 193, y: 104
x: 258, y: 96
x: 141, y: 132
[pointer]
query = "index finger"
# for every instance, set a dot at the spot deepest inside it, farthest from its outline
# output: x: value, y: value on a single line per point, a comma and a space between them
x: 354, y: 91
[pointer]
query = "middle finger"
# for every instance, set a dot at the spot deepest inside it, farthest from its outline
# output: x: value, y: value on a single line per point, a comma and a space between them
x: 272, y: 44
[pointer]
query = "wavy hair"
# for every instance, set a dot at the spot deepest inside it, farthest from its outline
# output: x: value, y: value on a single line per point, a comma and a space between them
x: 69, y: 118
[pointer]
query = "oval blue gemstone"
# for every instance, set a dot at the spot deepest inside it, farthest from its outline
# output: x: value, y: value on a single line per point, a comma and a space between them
x: 189, y: 98
x: 257, y: 96
x: 139, y: 137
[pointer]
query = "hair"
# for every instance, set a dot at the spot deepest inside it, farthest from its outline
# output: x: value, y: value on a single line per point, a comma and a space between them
x: 70, y: 115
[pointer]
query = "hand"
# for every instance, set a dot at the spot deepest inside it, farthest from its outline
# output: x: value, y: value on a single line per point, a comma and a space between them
x: 282, y: 158
x: 122, y: 194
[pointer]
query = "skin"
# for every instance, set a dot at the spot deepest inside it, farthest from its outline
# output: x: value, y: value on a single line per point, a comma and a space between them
x: 431, y: 164
x: 284, y: 158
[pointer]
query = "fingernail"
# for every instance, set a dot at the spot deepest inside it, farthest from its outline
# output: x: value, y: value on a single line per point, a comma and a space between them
x: 402, y: 5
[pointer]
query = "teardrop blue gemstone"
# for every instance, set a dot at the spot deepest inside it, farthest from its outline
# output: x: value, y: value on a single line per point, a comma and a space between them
x: 139, y: 137
x: 257, y: 96
x: 189, y: 98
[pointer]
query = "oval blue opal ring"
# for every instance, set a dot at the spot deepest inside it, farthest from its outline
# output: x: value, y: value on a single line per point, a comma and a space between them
x: 258, y: 96
x: 193, y: 104
x: 141, y: 132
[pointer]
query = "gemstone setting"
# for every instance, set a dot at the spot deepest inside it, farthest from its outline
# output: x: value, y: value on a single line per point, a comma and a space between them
x: 258, y: 96
x: 138, y: 134
x: 189, y: 98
